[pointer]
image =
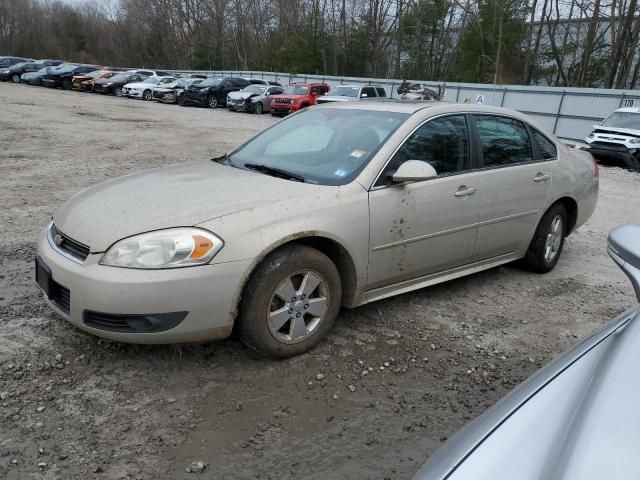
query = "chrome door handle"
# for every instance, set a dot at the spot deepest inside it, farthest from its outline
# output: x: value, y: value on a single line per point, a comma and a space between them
x: 465, y: 191
x: 541, y: 177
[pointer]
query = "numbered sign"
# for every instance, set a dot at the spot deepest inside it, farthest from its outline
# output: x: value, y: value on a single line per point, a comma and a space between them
x: 480, y: 99
x: 629, y: 102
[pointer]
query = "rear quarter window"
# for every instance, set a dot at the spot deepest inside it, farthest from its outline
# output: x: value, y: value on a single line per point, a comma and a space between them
x: 546, y: 148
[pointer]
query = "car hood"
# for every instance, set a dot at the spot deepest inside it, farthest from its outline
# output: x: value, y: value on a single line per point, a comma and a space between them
x: 139, y: 85
x: 631, y: 132
x: 241, y: 95
x: 575, y: 419
x: 336, y: 98
x: 181, y: 195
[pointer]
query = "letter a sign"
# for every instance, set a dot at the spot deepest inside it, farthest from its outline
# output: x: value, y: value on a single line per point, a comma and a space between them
x: 480, y: 99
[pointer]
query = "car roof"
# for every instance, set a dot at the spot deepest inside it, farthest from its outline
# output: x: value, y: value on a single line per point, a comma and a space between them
x: 352, y: 85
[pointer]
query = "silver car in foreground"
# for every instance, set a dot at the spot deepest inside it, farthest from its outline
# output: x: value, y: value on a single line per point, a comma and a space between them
x: 575, y: 419
x: 338, y: 205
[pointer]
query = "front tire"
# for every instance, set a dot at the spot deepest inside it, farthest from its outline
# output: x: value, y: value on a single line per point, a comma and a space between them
x: 258, y: 109
x: 212, y: 102
x: 546, y: 245
x: 66, y: 84
x: 290, y: 302
x: 118, y: 92
x: 15, y: 78
x: 147, y: 95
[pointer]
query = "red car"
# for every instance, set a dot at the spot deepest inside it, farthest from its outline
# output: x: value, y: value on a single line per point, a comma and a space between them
x: 296, y: 97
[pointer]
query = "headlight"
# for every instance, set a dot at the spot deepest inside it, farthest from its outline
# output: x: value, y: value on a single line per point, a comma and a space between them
x: 591, y: 135
x: 170, y: 248
x: 291, y: 101
x: 634, y: 140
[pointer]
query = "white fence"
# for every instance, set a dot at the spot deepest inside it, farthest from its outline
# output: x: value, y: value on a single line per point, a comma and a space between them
x: 567, y: 112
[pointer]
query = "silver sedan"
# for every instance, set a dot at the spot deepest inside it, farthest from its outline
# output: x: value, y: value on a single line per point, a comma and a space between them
x: 338, y: 205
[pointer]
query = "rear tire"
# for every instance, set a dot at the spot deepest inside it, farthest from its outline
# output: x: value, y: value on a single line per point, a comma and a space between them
x: 546, y: 245
x: 290, y: 302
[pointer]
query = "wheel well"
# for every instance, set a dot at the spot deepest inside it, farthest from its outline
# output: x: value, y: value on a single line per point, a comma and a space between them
x: 338, y: 255
x: 572, y: 212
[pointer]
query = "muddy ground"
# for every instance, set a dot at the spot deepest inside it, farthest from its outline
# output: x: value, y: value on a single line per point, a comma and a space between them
x: 400, y: 375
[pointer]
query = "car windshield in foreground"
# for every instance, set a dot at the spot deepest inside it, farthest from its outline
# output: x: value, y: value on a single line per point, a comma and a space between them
x: 296, y: 90
x: 210, y: 82
x: 629, y: 120
x: 346, y: 91
x: 327, y: 146
x: 255, y: 89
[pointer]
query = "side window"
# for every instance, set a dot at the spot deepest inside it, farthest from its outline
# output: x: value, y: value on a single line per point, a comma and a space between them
x: 315, y: 90
x: 545, y: 146
x: 442, y: 142
x: 381, y: 92
x: 368, y: 92
x: 505, y: 141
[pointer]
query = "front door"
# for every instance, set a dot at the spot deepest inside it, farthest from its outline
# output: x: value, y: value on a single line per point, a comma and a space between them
x: 516, y: 182
x: 425, y: 227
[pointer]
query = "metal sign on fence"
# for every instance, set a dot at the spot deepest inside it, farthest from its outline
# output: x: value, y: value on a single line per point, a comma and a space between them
x: 480, y: 99
x: 629, y: 102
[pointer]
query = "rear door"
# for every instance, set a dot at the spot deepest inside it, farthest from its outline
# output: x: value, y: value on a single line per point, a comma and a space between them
x: 516, y: 182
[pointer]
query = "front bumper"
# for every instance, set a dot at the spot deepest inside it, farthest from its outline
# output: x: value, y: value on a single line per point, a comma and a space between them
x: 169, y: 97
x: 615, y: 152
x: 283, y: 108
x: 208, y: 294
x: 132, y: 93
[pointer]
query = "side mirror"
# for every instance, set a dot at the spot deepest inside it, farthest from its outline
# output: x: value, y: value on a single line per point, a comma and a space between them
x: 624, y: 249
x: 413, y: 171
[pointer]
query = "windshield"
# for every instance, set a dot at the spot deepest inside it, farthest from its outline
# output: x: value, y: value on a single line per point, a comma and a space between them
x: 346, y: 91
x: 254, y: 89
x: 108, y: 74
x: 19, y: 65
x: 296, y: 90
x: 328, y: 146
x: 94, y: 74
x: 623, y: 120
x: 65, y: 68
x: 121, y: 77
x: 210, y: 82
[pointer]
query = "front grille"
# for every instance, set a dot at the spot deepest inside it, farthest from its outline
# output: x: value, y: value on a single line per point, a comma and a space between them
x: 68, y: 245
x: 285, y: 101
x: 60, y: 296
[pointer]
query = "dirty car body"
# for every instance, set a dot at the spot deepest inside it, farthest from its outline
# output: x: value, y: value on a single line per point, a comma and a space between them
x: 355, y: 189
x: 574, y: 419
x: 246, y: 99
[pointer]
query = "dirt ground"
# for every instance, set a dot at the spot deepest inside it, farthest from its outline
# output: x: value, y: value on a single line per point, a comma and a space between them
x: 400, y: 375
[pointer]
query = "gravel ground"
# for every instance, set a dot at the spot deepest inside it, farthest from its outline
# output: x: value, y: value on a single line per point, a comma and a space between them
x: 392, y: 381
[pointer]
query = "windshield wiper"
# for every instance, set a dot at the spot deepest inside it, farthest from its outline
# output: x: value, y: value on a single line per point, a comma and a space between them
x: 275, y: 172
x: 223, y: 159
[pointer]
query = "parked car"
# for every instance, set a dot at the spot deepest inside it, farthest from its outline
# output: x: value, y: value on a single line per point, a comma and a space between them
x: 15, y: 72
x: 144, y: 89
x: 618, y: 137
x: 114, y: 85
x: 297, y: 96
x: 85, y: 81
x: 171, y: 92
x: 350, y: 93
x: 574, y: 419
x: 62, y: 76
x: 253, y: 99
x: 338, y: 205
x: 212, y: 92
x: 6, y: 62
x: 35, y: 78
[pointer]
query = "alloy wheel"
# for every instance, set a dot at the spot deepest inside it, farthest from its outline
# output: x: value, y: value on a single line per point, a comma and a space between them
x: 15, y: 79
x: 118, y: 92
x: 258, y: 108
x: 213, y: 102
x: 147, y: 95
x: 298, y: 306
x: 554, y: 239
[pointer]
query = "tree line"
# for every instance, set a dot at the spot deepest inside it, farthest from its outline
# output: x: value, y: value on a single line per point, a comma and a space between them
x: 584, y: 43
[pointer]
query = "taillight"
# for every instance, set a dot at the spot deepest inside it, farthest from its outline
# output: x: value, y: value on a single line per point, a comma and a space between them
x: 596, y: 169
